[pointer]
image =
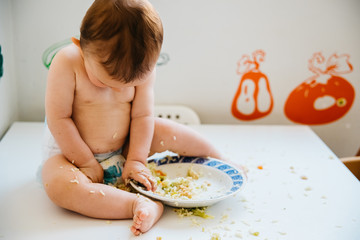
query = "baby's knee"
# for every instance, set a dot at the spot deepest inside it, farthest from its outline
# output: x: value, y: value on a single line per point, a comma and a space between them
x: 55, y: 189
x: 60, y: 181
x: 165, y: 127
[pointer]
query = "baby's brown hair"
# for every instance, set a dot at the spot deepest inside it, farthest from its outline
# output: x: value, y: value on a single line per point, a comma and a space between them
x: 126, y: 36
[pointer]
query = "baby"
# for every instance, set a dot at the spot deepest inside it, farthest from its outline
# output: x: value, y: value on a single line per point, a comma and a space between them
x: 99, y: 108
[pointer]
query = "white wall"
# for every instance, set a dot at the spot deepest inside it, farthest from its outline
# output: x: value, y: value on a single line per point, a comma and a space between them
x: 8, y: 90
x: 37, y: 25
x: 204, y: 40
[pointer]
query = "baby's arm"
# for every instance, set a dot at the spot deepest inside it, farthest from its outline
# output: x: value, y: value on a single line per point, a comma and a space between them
x: 58, y: 105
x: 141, y: 134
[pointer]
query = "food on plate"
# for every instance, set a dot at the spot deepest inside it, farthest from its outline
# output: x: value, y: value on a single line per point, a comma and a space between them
x: 181, y: 187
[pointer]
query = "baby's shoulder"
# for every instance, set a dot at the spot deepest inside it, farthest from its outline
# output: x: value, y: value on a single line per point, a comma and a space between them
x: 69, y: 55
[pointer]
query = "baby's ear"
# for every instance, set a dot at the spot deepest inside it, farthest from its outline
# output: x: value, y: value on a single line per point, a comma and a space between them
x: 76, y: 41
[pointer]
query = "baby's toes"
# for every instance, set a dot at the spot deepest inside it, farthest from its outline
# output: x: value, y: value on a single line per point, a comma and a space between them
x: 142, y: 214
x: 135, y: 231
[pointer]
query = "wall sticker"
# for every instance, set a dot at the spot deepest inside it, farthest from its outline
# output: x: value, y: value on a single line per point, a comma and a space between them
x: 253, y: 98
x: 324, y: 97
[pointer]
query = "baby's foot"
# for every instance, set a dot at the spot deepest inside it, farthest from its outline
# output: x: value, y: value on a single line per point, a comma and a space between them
x: 146, y: 214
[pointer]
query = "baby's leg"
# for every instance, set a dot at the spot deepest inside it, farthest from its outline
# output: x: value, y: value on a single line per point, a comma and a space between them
x: 178, y: 138
x: 69, y: 188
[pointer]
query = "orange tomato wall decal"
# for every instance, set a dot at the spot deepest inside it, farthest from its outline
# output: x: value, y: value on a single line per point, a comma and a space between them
x: 253, y: 98
x: 324, y: 97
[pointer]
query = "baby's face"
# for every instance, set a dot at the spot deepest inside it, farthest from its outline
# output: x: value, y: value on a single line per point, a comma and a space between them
x: 100, y: 78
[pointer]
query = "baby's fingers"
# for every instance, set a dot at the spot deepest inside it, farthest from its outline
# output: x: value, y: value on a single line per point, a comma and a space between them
x: 152, y: 181
x: 144, y: 180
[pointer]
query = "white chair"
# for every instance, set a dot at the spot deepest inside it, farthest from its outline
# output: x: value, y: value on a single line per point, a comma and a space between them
x: 177, y: 113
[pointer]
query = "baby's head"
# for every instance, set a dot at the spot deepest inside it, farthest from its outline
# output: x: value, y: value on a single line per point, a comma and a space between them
x: 124, y: 36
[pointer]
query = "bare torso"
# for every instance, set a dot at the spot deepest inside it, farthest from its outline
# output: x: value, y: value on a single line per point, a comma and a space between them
x: 101, y: 115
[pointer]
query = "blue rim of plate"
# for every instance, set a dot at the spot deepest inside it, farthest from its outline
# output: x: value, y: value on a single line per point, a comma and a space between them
x: 236, y: 176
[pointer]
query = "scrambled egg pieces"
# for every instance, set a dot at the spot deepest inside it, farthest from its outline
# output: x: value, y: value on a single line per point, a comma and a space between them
x: 180, y: 187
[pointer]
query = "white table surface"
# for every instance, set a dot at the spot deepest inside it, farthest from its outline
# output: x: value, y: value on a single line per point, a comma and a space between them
x: 276, y: 202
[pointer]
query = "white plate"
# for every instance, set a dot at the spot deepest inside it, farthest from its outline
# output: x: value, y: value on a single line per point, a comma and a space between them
x: 225, y: 180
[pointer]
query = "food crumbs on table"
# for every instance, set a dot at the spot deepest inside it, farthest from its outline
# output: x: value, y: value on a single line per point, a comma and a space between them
x: 246, y: 223
x: 260, y: 167
x: 238, y: 235
x: 224, y: 217
x: 108, y: 222
x: 304, y: 177
x: 195, y: 222
x: 256, y: 234
x: 308, y: 189
x: 198, y: 212
x: 215, y: 236
x: 102, y: 193
x: 282, y: 233
x: 158, y: 238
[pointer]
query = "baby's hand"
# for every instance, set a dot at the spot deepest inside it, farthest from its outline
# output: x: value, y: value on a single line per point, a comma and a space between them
x: 93, y: 171
x: 139, y: 172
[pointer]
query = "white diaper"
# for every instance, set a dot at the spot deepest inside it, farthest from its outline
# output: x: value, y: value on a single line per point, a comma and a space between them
x: 50, y: 147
